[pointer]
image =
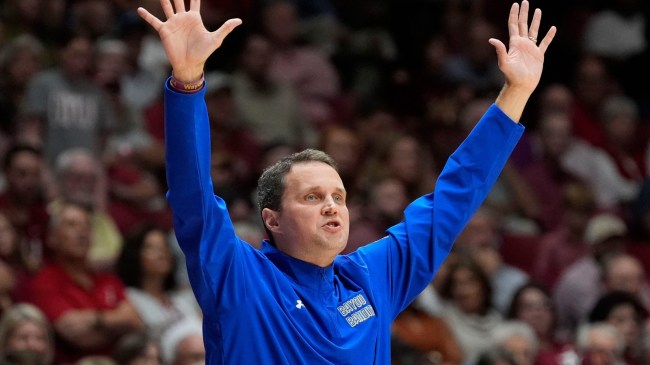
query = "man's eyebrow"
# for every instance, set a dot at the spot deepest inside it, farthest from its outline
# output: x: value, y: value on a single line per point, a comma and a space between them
x: 318, y: 187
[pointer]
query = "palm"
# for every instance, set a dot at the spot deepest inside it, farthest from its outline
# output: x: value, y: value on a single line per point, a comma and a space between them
x: 522, y: 63
x: 186, y: 41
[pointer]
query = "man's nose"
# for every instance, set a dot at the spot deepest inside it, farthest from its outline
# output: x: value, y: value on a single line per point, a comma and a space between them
x: 330, y: 207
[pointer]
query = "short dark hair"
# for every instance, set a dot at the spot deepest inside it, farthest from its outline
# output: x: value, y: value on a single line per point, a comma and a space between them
x: 15, y: 150
x: 608, y: 302
x: 271, y: 184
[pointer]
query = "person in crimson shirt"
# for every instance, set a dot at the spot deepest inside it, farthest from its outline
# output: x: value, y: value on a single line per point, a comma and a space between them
x: 23, y: 201
x: 88, y: 311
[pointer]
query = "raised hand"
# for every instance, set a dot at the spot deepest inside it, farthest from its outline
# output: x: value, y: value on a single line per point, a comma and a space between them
x: 186, y: 41
x: 523, y: 61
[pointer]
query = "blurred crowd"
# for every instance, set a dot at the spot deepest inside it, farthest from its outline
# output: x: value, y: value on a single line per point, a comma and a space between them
x: 552, y: 270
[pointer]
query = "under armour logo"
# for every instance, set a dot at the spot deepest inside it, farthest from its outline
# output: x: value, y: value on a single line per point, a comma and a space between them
x: 299, y: 304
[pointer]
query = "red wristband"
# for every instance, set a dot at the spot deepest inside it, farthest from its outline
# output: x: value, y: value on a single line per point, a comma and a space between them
x: 187, y: 87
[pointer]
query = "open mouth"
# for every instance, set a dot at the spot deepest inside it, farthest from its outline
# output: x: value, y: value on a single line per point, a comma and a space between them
x: 333, y: 224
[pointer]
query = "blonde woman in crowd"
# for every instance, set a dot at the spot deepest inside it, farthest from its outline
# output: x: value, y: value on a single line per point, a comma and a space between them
x: 25, y: 328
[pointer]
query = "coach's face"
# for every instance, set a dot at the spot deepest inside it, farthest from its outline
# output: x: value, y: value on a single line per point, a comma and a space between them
x: 313, y: 223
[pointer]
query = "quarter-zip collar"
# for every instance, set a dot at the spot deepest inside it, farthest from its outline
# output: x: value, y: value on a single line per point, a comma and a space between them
x: 303, y: 273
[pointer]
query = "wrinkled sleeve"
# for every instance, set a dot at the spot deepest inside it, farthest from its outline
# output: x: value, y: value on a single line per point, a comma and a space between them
x: 403, y: 263
x: 205, y: 233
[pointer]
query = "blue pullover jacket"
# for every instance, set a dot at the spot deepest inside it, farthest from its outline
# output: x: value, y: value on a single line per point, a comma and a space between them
x: 265, y: 307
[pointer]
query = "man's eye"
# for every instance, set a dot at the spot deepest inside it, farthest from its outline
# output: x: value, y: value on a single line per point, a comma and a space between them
x: 338, y: 198
x: 311, y: 197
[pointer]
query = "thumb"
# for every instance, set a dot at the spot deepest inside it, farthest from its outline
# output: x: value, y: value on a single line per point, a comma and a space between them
x: 502, y: 53
x: 226, y: 28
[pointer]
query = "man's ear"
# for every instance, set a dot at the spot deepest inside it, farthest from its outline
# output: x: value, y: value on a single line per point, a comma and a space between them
x: 271, y: 219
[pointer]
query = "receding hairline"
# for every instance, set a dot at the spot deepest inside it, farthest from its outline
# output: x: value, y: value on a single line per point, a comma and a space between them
x: 313, y: 186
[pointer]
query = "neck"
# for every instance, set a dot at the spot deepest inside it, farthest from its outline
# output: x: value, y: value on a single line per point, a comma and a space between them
x: 154, y: 286
x: 77, y: 270
x: 320, y: 258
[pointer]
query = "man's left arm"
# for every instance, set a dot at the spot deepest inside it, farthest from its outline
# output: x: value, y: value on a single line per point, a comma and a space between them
x: 414, y: 249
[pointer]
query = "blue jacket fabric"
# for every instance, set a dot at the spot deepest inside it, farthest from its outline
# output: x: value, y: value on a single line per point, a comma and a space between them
x: 265, y: 307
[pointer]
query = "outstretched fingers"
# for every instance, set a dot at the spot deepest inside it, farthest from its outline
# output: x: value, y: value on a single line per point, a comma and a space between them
x: 513, y: 27
x: 167, y: 8
x: 502, y: 52
x: 179, y: 5
x: 523, y: 19
x: 226, y: 28
x: 195, y: 5
x: 543, y: 46
x: 149, y: 18
x: 533, y: 32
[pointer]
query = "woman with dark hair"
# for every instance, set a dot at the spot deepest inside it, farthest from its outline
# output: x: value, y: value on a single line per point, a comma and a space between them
x: 624, y: 311
x: 468, y: 308
x: 147, y: 267
x: 532, y: 304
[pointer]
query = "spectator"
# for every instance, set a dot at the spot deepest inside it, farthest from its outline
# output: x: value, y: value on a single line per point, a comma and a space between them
x: 475, y: 67
x: 402, y: 157
x: 81, y: 179
x: 618, y: 166
x: 599, y: 344
x: 383, y: 207
x: 94, y: 18
x: 148, y: 268
x: 518, y: 339
x: 618, y: 31
x: 468, y: 309
x: 604, y: 234
x: 306, y: 69
x: 624, y: 272
x: 269, y: 107
x: 619, y: 34
x: 228, y: 134
x: 20, y: 59
x: 592, y: 85
x: 182, y: 344
x: 24, y: 200
x: 62, y: 105
x: 547, y: 174
x: 563, y: 246
x: 345, y: 147
x: 137, y: 349
x: 25, y: 328
x: 624, y: 311
x: 480, y: 239
x: 89, y: 311
x: 111, y: 70
x: 136, y: 194
x: 532, y: 304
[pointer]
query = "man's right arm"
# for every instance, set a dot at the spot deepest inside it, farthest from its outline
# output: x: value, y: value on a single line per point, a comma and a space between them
x: 201, y: 221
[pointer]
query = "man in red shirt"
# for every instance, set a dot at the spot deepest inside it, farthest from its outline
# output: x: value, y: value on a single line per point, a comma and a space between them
x: 88, y: 311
